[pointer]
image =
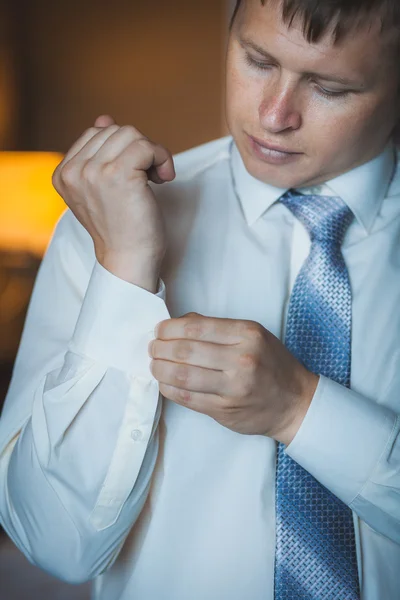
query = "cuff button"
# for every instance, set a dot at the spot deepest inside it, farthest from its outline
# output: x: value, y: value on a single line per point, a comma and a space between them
x: 136, y: 435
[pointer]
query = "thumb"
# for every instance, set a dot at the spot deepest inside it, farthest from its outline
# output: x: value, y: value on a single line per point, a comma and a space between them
x: 104, y: 121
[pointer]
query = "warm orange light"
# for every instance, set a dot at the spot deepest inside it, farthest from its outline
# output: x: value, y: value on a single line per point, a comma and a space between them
x: 29, y: 205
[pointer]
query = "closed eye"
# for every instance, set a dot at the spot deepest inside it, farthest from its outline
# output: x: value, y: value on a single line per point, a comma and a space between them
x: 257, y: 64
x: 332, y: 93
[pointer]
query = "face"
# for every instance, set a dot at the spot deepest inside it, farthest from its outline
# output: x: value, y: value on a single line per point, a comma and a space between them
x: 301, y: 113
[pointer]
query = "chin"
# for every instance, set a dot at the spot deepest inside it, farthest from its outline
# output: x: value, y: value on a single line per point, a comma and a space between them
x: 277, y: 176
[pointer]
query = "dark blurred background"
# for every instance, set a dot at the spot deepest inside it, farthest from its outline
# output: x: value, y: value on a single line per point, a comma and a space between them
x: 158, y: 65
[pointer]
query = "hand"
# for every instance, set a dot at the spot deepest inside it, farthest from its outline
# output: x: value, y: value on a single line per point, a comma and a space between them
x: 236, y: 372
x: 104, y: 179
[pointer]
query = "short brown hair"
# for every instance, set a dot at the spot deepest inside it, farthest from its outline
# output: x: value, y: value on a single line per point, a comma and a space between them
x: 320, y: 16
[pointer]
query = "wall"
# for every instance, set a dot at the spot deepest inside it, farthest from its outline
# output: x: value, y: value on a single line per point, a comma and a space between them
x: 158, y: 65
x: 8, y: 84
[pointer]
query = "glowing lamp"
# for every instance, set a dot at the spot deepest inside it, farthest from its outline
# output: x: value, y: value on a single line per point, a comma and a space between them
x: 29, y: 210
x: 29, y: 205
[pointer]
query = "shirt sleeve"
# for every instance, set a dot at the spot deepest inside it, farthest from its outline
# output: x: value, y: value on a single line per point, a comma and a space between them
x: 351, y: 444
x: 78, y: 434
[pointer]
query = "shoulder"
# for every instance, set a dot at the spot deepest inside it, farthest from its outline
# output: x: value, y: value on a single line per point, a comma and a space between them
x: 197, y: 168
x: 197, y: 161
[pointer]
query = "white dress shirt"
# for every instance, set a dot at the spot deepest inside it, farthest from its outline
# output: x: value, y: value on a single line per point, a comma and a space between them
x: 99, y: 479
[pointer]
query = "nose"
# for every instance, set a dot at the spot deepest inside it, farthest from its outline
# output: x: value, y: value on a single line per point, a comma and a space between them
x: 279, y: 109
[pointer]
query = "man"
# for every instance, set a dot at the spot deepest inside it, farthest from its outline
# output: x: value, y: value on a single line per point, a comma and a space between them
x: 271, y: 470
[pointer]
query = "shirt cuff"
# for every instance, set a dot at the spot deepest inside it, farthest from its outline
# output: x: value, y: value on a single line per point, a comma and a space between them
x: 117, y: 322
x: 342, y: 439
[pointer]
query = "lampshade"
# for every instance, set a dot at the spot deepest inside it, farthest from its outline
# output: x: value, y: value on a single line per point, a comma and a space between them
x: 29, y: 205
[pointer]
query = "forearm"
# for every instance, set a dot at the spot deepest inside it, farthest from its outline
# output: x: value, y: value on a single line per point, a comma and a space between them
x: 351, y: 445
x: 73, y: 456
x: 82, y: 404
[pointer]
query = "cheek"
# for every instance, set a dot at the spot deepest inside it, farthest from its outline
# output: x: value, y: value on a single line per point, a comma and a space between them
x: 334, y: 132
x: 242, y: 98
x: 243, y: 93
x: 377, y: 123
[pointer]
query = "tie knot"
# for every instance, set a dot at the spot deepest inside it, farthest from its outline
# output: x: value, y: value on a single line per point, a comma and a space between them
x: 324, y: 217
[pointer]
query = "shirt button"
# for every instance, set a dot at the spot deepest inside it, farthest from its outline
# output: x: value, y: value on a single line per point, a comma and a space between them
x: 136, y: 435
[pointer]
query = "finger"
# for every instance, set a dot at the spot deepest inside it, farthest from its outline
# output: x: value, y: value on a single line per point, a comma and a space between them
x: 202, y: 403
x: 87, y: 143
x: 77, y: 146
x: 94, y: 144
x: 82, y: 142
x: 193, y: 379
x: 118, y: 143
x: 104, y: 121
x: 195, y: 353
x: 200, y: 328
x: 144, y: 155
x: 157, y: 161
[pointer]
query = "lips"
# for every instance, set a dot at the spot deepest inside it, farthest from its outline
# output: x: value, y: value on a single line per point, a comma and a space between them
x: 273, y: 147
x: 272, y: 154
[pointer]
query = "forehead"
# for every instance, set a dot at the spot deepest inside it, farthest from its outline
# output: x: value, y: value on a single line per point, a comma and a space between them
x: 365, y: 52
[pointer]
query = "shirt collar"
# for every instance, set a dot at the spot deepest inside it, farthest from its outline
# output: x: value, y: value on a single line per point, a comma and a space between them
x: 255, y: 196
x: 363, y: 188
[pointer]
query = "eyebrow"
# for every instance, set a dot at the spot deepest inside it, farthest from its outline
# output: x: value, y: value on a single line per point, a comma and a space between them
x: 324, y: 76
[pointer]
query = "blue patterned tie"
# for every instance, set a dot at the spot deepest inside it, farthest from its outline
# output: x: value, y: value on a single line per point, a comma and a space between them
x: 315, y: 541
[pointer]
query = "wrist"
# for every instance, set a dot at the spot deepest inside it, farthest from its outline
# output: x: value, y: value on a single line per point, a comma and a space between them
x: 300, y: 405
x: 143, y: 271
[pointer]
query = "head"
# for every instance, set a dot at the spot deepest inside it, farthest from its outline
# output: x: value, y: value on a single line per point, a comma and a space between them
x: 312, y: 87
